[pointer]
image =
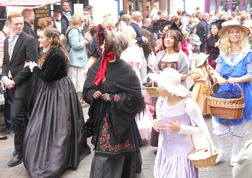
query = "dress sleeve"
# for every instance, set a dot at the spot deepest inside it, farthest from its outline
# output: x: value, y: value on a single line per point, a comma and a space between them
x: 123, y: 110
x: 74, y: 39
x: 183, y: 64
x: 249, y: 65
x: 203, y: 135
x: 159, y: 103
x: 218, y: 64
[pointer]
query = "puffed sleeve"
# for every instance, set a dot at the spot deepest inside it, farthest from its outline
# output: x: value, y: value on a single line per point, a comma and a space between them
x: 249, y: 65
x: 219, y: 61
x: 183, y: 64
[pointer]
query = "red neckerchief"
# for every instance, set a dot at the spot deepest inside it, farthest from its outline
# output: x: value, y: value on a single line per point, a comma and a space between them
x: 100, y: 76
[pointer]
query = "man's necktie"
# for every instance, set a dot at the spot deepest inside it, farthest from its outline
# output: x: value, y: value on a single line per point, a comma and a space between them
x: 11, y: 45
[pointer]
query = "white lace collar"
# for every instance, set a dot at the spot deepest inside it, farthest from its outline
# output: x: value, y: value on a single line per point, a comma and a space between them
x: 236, y: 60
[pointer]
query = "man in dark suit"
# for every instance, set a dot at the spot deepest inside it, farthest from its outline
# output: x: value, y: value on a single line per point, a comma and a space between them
x: 203, y: 30
x: 18, y: 48
x: 136, y: 20
x: 60, y: 21
x: 136, y: 23
x: 29, y: 18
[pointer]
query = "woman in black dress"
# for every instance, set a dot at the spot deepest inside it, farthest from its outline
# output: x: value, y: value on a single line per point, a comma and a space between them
x: 114, y: 93
x: 53, y: 140
x: 212, y: 44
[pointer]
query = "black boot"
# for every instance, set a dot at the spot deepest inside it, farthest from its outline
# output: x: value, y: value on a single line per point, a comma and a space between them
x: 16, y: 160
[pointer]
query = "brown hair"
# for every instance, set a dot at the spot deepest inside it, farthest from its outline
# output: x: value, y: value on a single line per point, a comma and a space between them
x: 175, y: 19
x: 176, y: 35
x: 26, y: 12
x: 45, y: 22
x: 53, y: 34
x: 64, y: 1
x: 13, y: 15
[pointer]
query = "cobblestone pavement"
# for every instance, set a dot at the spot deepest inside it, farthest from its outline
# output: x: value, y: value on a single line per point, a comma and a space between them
x: 223, y: 170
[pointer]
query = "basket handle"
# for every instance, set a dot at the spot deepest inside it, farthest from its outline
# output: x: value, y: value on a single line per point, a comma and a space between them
x: 242, y: 94
x: 210, y: 146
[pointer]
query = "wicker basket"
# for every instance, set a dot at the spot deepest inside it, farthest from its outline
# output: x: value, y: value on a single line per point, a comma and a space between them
x: 227, y: 108
x: 203, y: 162
x: 203, y: 158
x: 152, y: 91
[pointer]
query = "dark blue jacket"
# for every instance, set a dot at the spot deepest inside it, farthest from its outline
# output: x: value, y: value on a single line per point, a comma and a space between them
x: 139, y: 34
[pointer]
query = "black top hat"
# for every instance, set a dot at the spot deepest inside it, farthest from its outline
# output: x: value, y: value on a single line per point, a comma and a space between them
x: 57, y: 9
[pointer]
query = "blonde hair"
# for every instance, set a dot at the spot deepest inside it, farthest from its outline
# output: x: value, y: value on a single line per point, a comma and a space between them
x: 225, y: 44
x: 13, y: 15
x: 128, y: 31
x: 76, y: 20
x: 108, y: 21
x: 45, y: 22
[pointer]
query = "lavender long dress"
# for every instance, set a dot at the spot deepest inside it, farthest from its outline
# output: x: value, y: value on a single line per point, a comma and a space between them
x: 171, y: 160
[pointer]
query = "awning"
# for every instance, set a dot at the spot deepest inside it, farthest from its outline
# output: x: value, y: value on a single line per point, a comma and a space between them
x: 27, y: 3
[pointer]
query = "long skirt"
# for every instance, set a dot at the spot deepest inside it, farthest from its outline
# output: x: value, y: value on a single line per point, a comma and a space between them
x: 121, y: 166
x: 53, y: 140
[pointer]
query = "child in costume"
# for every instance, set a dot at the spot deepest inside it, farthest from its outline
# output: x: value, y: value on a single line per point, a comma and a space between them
x: 181, y: 126
x: 201, y: 75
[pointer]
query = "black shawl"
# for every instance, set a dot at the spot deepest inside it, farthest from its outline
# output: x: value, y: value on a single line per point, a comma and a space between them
x: 127, y: 100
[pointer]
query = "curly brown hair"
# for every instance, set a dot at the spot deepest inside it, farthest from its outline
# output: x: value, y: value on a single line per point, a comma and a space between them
x: 177, y: 39
x: 54, y: 36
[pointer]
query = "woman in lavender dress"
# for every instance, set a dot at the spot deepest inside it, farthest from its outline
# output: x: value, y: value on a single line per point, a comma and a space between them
x: 181, y: 126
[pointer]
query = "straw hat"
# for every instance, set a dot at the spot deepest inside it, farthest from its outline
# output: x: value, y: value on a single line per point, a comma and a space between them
x: 200, y: 59
x: 229, y: 24
x: 170, y: 80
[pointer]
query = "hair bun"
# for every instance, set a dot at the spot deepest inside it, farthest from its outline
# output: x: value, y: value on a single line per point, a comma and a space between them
x: 101, y: 32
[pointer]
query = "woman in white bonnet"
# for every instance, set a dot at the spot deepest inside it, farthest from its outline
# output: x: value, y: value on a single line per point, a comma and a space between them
x: 181, y: 126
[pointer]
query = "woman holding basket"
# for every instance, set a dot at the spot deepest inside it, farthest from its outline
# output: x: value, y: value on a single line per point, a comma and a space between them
x: 234, y: 66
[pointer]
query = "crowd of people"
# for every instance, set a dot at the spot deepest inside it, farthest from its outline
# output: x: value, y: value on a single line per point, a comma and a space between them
x: 50, y: 71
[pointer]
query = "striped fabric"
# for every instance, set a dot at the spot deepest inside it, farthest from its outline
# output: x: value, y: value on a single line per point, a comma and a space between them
x: 12, y: 40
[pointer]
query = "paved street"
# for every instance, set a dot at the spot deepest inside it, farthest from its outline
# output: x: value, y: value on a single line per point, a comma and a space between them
x: 222, y: 170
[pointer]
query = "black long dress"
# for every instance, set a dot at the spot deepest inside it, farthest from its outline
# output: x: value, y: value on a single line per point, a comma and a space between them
x: 112, y: 124
x: 53, y: 140
x: 212, y: 50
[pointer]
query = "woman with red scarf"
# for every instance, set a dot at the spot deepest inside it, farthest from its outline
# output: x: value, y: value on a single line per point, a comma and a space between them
x: 114, y: 93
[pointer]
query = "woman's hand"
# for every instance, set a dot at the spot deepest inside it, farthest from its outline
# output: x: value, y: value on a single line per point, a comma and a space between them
x: 174, y: 126
x: 106, y: 97
x: 217, y: 44
x: 221, y: 81
x: 27, y: 63
x: 232, y: 80
x: 30, y: 64
x: 157, y: 125
x: 97, y: 94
